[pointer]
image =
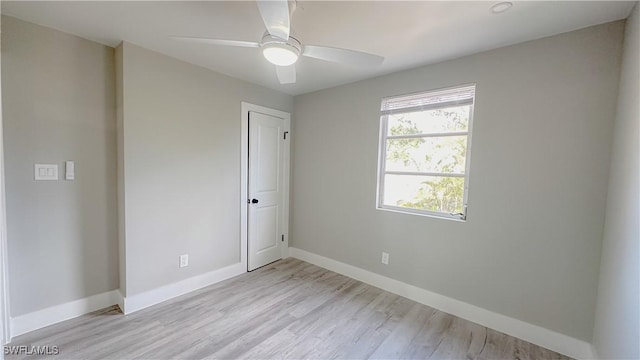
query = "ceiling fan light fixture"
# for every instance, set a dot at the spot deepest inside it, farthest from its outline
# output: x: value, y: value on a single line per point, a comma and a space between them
x: 280, y: 54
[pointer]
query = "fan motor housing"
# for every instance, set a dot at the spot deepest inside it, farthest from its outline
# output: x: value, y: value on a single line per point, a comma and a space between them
x: 292, y: 43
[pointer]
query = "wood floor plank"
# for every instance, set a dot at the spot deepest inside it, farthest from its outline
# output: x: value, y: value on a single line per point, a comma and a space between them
x: 463, y: 340
x: 286, y: 310
x: 396, y: 344
x: 373, y: 332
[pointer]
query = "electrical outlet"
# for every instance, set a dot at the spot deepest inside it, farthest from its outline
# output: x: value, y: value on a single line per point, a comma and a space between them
x: 184, y: 260
x: 385, y: 258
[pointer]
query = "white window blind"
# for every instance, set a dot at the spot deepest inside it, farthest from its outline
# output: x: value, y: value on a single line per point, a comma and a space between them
x: 428, y: 100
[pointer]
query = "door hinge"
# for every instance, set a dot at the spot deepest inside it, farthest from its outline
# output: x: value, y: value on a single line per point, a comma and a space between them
x: 282, y: 237
x: 285, y: 135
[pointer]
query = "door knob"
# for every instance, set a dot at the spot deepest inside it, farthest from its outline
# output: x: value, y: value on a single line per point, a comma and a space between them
x: 254, y: 201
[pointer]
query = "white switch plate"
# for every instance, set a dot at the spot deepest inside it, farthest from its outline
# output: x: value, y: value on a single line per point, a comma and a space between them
x: 184, y: 260
x: 45, y: 172
x: 385, y: 258
x: 69, y: 168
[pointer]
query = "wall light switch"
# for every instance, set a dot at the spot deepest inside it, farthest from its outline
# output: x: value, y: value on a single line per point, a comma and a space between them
x: 70, y: 173
x: 45, y: 172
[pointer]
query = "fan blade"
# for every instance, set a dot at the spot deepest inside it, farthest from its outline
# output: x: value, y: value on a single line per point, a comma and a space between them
x: 275, y: 14
x: 342, y: 55
x: 216, y: 41
x: 286, y: 74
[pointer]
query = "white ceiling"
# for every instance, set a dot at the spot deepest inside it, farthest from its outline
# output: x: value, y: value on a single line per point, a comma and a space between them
x: 407, y: 34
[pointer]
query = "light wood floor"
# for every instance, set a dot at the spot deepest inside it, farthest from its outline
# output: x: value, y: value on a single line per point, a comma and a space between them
x: 289, y: 309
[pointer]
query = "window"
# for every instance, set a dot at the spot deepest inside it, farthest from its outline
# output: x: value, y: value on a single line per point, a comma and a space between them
x: 424, y: 152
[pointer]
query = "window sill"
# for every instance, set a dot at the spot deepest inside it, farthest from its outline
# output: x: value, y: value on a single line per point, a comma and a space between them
x: 434, y: 215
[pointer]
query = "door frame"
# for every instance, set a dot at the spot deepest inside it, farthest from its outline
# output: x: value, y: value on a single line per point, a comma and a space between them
x: 244, y: 177
x: 5, y: 320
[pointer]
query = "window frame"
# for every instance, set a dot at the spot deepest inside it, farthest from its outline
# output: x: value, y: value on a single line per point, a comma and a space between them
x: 382, y: 152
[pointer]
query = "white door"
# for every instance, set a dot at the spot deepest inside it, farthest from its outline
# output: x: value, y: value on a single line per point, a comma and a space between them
x: 266, y: 189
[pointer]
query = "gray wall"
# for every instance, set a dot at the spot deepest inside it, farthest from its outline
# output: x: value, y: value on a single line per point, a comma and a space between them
x: 541, y: 142
x: 58, y: 104
x: 181, y: 166
x: 617, y: 329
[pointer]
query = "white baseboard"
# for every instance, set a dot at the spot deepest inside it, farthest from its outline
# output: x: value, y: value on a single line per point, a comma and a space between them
x: 38, y: 319
x: 120, y: 299
x: 148, y: 298
x: 538, y: 335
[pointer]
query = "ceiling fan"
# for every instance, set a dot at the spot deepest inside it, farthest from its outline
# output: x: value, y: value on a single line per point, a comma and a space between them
x: 283, y: 50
